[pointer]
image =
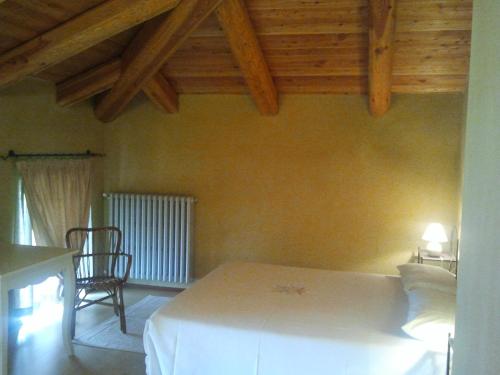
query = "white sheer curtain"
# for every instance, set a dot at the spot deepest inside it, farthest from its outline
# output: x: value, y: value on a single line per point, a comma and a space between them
x: 57, y: 198
x: 57, y: 195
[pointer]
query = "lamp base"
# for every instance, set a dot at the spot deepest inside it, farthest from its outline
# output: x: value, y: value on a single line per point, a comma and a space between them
x: 434, y: 247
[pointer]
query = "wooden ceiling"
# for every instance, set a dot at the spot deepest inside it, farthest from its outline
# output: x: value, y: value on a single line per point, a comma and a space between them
x: 203, y: 46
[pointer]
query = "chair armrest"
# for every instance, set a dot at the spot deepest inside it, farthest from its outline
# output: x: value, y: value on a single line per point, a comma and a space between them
x: 127, y: 259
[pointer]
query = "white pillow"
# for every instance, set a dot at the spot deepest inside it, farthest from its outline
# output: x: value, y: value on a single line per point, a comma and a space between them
x: 415, y: 275
x: 431, y: 317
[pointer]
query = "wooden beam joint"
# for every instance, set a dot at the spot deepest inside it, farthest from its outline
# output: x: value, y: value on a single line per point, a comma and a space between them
x: 148, y: 52
x: 102, y: 78
x: 162, y: 94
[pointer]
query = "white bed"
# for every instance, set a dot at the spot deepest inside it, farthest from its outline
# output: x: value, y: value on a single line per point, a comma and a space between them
x: 258, y: 319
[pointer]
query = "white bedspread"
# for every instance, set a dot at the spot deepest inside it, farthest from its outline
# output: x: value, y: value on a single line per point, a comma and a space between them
x: 258, y: 319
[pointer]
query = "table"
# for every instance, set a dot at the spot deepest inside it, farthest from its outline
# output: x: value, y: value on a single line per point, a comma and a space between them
x: 21, y: 266
x: 446, y: 260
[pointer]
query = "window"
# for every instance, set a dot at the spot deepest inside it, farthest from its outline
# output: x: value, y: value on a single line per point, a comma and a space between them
x: 37, y: 306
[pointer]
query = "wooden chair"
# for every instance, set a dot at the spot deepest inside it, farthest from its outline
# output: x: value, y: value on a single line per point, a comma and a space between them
x: 97, y: 269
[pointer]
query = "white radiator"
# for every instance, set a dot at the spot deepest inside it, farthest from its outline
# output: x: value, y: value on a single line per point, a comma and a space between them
x: 158, y: 233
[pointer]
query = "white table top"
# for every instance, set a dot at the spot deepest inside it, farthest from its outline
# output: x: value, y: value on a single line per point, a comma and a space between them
x: 14, y: 258
x: 24, y: 265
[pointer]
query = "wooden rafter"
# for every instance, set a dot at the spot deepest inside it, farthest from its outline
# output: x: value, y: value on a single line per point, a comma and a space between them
x: 312, y: 47
x: 234, y: 19
x: 78, y: 34
x: 102, y: 78
x: 161, y: 93
x: 149, y: 50
x: 381, y: 51
x: 88, y: 84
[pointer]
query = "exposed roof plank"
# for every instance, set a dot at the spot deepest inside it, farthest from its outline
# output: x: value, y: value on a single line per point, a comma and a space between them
x: 279, y: 42
x: 16, y: 26
x: 210, y: 85
x: 424, y: 84
x: 323, y: 84
x: 245, y: 46
x: 149, y: 50
x: 381, y: 52
x: 332, y: 17
x: 303, y: 4
x: 76, y: 35
x: 426, y: 60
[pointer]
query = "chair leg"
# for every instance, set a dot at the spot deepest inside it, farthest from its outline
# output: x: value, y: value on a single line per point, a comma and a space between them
x: 115, y: 302
x: 123, y: 324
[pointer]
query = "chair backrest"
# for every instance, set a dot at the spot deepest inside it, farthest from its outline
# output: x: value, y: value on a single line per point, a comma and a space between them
x: 95, y: 240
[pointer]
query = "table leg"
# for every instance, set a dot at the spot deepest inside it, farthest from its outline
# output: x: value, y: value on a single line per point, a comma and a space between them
x: 4, y: 328
x: 69, y: 300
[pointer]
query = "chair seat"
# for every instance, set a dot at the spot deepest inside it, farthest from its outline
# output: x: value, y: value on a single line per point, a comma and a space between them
x: 99, y: 283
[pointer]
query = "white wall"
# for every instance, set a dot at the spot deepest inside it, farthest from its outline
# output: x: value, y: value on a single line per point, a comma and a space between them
x: 477, y: 345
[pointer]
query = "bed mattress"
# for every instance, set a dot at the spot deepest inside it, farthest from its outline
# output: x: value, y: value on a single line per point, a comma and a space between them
x: 259, y: 319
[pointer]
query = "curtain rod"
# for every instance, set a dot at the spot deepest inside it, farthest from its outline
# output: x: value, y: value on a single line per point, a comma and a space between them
x: 87, y: 154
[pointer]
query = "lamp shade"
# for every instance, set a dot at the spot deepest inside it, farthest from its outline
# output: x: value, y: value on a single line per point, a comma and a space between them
x: 435, y: 233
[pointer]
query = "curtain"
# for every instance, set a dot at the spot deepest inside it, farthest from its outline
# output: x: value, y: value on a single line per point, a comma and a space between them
x: 58, y: 197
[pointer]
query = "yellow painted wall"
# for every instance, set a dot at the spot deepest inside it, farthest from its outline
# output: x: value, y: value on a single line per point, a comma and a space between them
x: 30, y: 121
x: 322, y: 184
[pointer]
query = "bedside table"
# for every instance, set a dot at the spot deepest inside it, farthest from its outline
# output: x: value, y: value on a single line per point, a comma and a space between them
x: 445, y: 260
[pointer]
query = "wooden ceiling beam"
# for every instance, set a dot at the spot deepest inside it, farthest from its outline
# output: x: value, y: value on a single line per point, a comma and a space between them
x: 234, y: 19
x: 381, y: 52
x: 162, y: 94
x: 149, y: 51
x: 76, y: 35
x: 102, y: 78
x: 87, y: 84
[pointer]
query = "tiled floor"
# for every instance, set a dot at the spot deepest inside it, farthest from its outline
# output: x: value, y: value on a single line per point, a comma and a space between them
x: 43, y: 352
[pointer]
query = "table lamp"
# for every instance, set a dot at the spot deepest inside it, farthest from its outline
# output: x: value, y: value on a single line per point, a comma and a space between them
x: 435, y: 235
